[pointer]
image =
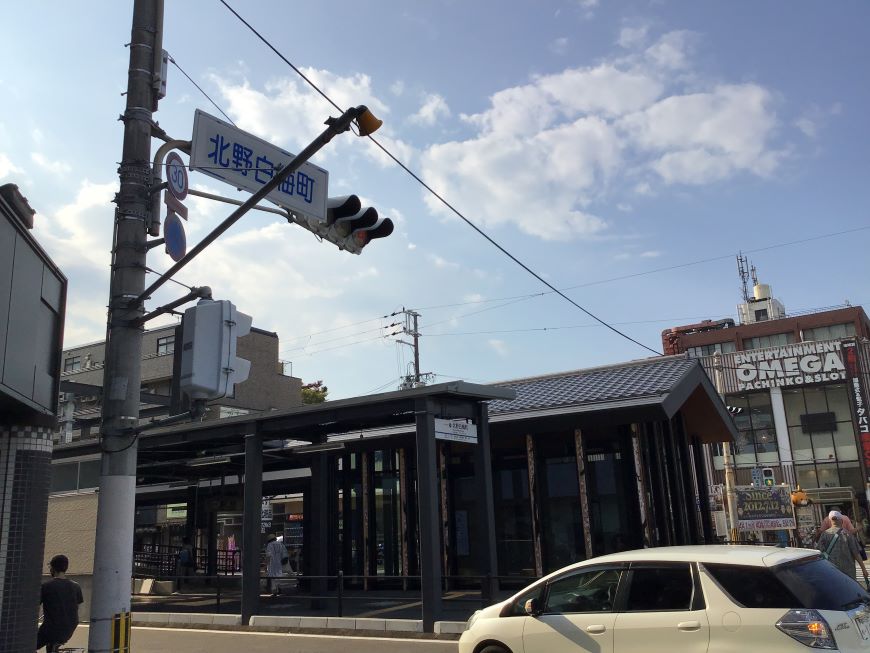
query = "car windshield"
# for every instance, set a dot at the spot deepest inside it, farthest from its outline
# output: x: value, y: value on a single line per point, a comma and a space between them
x: 819, y: 585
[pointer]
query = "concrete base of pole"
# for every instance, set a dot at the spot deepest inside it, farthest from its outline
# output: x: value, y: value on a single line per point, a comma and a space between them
x: 113, y: 558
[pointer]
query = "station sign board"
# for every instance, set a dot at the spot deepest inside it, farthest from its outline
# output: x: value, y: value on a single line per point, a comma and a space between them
x: 456, y: 430
x: 240, y: 159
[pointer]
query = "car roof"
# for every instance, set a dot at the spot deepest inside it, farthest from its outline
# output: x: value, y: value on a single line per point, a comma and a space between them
x: 747, y: 555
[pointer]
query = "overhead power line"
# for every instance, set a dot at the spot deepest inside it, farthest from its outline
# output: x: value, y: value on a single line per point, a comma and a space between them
x: 441, y: 199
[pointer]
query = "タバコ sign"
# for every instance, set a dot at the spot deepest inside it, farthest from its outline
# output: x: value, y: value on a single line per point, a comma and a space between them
x: 764, y: 508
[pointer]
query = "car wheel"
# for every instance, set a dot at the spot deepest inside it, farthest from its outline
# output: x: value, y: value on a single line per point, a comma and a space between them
x: 493, y: 648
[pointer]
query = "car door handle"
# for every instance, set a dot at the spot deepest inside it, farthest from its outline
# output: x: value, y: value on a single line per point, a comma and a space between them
x: 689, y: 626
x: 596, y: 629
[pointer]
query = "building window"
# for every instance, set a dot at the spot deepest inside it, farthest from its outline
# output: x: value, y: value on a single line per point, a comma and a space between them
x: 756, y: 432
x: 709, y: 350
x: 72, y: 364
x: 165, y: 345
x: 831, y: 332
x: 830, y: 446
x: 775, y: 340
x: 761, y: 315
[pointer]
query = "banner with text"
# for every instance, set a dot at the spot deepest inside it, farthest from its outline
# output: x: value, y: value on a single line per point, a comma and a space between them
x: 764, y: 508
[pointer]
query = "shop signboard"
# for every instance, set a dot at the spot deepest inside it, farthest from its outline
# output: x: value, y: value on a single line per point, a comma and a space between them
x: 764, y: 508
x: 858, y: 398
x: 798, y: 364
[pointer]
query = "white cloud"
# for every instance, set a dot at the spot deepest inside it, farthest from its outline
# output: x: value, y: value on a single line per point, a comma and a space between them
x: 285, y: 112
x: 498, y: 346
x: 673, y: 50
x: 79, y: 234
x: 37, y: 135
x: 443, y: 263
x: 558, y: 142
x: 643, y: 188
x: 397, y: 88
x: 7, y: 167
x: 632, y: 37
x: 559, y: 46
x: 433, y: 108
x: 650, y: 254
x: 807, y: 126
x: 705, y: 137
x: 54, y: 167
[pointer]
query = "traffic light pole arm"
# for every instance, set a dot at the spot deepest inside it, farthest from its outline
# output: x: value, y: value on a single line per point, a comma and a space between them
x: 334, y: 127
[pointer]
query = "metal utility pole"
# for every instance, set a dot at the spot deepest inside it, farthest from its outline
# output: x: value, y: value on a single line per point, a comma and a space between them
x: 728, y: 461
x: 411, y: 328
x: 113, y: 553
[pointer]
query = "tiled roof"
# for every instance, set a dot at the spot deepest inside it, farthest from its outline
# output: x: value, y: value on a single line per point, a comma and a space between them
x: 647, y: 378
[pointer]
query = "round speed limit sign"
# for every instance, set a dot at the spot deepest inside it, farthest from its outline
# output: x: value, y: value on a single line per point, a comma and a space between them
x: 176, y: 176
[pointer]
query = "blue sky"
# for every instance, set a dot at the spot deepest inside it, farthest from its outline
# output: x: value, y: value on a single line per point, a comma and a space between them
x: 593, y: 140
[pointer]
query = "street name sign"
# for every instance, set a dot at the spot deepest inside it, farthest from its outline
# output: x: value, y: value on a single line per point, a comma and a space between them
x: 242, y: 160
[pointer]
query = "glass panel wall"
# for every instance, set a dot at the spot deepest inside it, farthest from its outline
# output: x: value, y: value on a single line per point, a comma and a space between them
x: 559, y: 500
x: 822, y: 436
x: 613, y: 502
x: 513, y: 513
x: 386, y: 512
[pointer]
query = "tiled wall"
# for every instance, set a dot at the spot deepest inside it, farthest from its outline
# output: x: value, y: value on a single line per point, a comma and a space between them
x: 25, y: 459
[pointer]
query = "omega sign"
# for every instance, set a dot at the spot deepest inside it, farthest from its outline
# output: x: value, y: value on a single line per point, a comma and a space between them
x: 798, y: 364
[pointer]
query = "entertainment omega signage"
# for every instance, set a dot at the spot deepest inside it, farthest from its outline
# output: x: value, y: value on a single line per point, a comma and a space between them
x: 798, y: 364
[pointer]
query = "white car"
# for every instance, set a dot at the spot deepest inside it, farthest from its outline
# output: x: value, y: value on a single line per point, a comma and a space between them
x: 686, y: 599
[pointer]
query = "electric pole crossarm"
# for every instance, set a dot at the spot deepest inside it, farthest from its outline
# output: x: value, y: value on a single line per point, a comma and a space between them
x: 196, y: 293
x: 334, y: 126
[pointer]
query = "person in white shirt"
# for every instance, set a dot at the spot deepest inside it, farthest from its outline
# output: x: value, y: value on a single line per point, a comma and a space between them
x: 276, y: 558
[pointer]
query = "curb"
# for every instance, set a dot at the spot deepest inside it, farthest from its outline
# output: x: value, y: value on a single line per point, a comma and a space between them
x: 359, y: 626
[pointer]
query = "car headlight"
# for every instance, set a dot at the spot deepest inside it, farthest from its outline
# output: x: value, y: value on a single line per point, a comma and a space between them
x: 472, y: 619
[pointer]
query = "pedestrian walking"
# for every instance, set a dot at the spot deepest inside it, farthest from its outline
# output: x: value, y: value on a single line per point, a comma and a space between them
x: 186, y: 559
x: 276, y: 558
x: 60, y: 599
x: 840, y: 547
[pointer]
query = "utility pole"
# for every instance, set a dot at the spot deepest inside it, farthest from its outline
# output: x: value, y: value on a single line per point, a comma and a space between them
x: 113, y: 553
x: 727, y: 460
x: 411, y: 328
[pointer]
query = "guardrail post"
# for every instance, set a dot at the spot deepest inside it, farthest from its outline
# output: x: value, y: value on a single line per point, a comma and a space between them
x: 340, y: 585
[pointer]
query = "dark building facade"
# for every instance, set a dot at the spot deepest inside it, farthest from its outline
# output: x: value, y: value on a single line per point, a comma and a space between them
x: 32, y: 305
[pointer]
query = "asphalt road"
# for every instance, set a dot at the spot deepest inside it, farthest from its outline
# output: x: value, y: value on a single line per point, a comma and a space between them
x: 160, y: 640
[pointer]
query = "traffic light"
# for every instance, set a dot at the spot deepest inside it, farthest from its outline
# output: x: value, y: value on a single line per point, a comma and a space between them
x: 349, y: 225
x: 767, y: 478
x: 209, y: 365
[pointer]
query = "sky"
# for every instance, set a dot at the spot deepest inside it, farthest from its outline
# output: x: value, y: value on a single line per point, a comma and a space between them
x: 623, y: 151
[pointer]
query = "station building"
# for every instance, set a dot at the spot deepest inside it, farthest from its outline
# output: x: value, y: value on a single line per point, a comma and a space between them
x: 560, y: 468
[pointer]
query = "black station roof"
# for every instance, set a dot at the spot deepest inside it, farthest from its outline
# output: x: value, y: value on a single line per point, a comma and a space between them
x: 655, y: 388
x: 668, y: 383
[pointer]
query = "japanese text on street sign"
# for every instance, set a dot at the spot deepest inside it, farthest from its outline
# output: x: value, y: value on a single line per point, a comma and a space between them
x: 456, y: 430
x: 764, y: 508
x: 245, y: 161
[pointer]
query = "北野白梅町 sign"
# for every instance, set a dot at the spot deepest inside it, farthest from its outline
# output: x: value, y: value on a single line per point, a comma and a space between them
x: 242, y: 160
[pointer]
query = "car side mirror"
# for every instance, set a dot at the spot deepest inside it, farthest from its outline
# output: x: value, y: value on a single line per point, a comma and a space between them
x: 532, y: 608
